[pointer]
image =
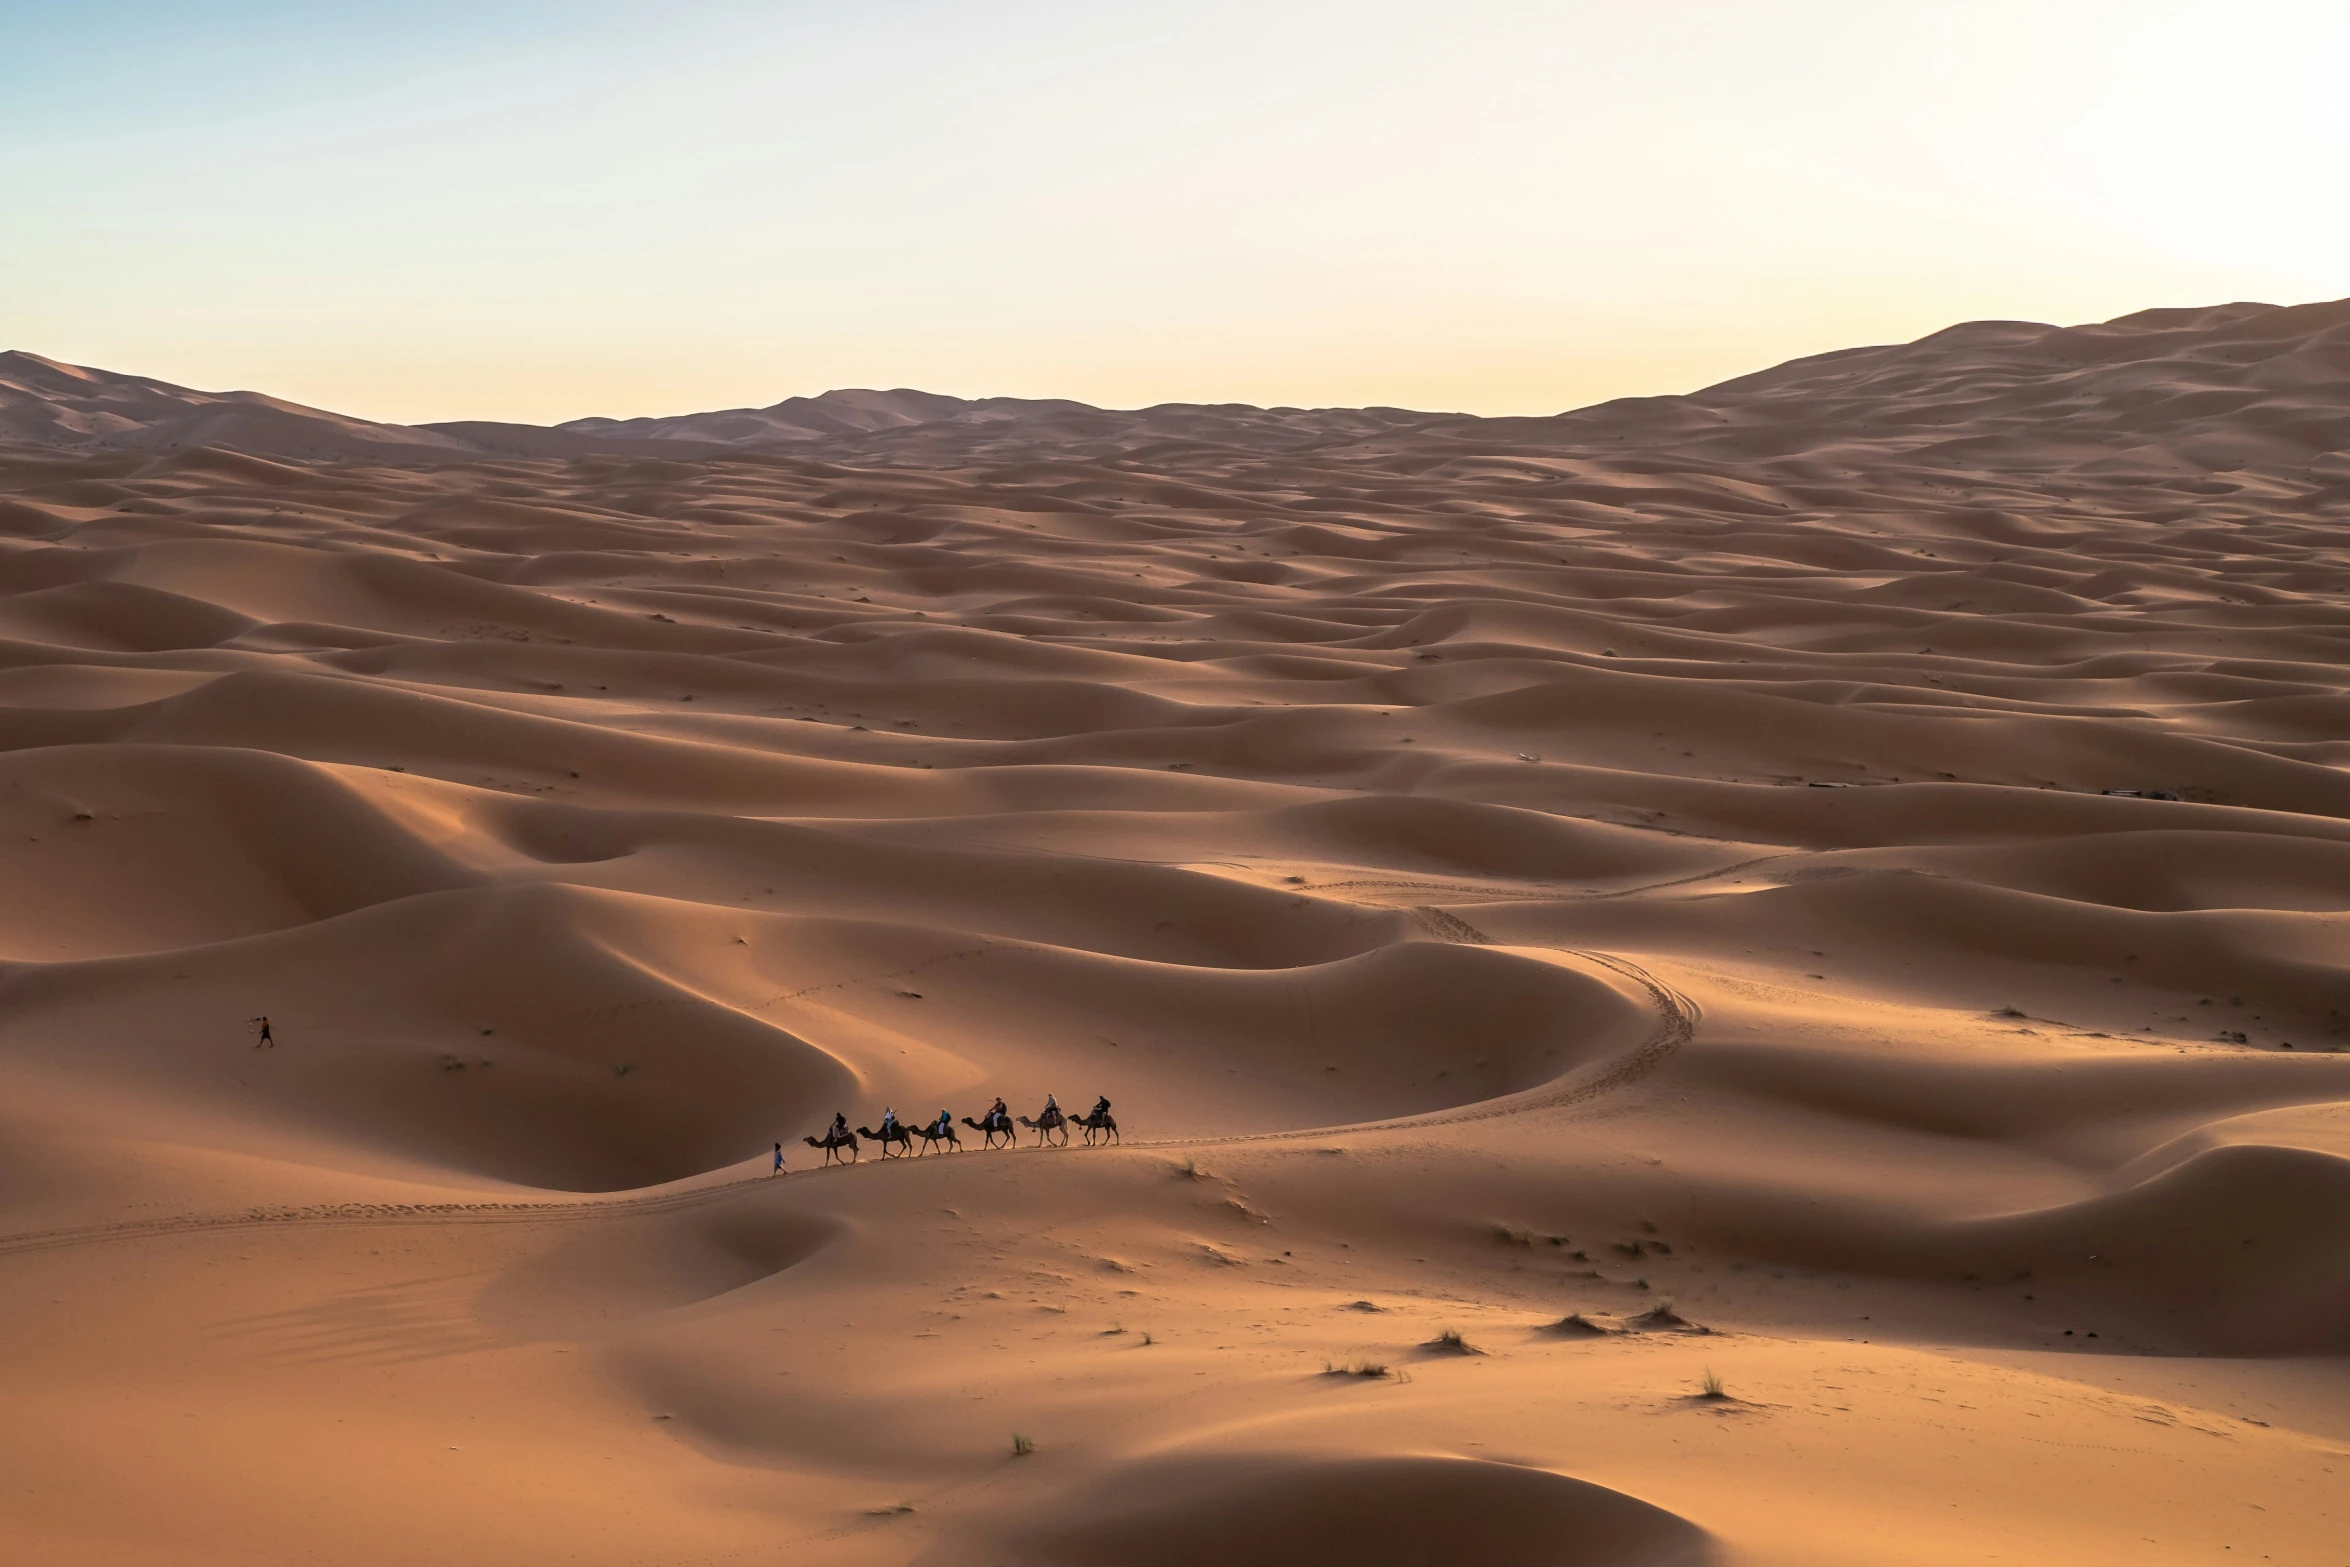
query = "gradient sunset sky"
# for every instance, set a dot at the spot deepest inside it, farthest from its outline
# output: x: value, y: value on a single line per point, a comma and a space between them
x: 536, y: 211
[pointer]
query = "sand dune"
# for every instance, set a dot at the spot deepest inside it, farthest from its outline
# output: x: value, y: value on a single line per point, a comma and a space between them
x: 1837, y: 881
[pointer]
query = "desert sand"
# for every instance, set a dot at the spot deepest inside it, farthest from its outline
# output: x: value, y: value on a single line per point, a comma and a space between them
x: 1838, y: 885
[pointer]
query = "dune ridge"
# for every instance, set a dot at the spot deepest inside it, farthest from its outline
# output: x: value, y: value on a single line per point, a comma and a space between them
x: 1834, y: 883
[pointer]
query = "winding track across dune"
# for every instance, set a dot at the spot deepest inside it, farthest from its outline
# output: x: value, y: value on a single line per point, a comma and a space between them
x: 1677, y: 1018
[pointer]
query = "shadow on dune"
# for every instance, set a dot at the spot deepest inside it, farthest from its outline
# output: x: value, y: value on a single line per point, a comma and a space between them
x: 1280, y: 1511
x: 2196, y: 1206
x: 606, y: 1276
x: 590, y: 1040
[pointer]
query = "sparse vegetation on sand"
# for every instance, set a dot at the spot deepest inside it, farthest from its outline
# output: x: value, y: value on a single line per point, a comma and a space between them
x: 1662, y: 1318
x: 1357, y: 1368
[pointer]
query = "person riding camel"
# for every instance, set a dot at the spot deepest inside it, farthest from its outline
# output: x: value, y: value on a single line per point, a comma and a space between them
x: 999, y: 1109
x: 944, y: 1126
x: 889, y: 1122
x: 1052, y: 1107
x: 840, y: 1124
x: 1101, y: 1107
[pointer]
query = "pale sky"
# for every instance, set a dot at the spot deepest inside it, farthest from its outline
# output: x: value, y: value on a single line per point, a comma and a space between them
x: 539, y: 209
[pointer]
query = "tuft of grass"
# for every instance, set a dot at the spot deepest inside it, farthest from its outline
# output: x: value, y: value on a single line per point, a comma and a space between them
x: 1661, y: 1317
x: 1147, y: 1341
x: 2011, y: 1012
x: 1450, y: 1342
x: 1577, y: 1325
x: 1113, y: 1329
x: 1189, y: 1169
x: 1513, y: 1235
x: 1711, y: 1387
x: 1021, y: 1446
x: 1640, y: 1284
x: 1359, y: 1368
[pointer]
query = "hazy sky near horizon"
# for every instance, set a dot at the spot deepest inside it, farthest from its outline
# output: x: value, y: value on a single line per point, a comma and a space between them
x: 539, y: 209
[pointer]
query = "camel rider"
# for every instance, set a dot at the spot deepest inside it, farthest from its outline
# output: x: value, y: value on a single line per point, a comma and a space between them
x: 889, y: 1122
x: 1101, y: 1107
x: 840, y: 1125
x: 1001, y: 1114
x: 1052, y: 1107
x: 943, y: 1126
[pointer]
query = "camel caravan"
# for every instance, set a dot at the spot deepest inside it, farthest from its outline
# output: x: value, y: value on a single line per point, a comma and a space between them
x: 1051, y: 1125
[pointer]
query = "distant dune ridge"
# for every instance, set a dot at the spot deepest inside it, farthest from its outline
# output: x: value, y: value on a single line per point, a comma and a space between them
x: 2248, y: 381
x: 1754, y: 977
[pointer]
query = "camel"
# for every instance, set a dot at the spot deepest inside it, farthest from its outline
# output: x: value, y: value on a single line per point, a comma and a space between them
x: 1100, y: 1124
x: 996, y: 1125
x: 833, y: 1143
x: 932, y: 1136
x: 1045, y: 1125
x: 896, y: 1136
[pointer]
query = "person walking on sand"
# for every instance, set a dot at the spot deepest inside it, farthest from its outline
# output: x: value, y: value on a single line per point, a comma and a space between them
x: 778, y: 1170
x: 267, y: 1039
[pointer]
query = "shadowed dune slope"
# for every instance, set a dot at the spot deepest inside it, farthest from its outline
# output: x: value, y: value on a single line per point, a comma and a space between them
x: 1388, y: 1512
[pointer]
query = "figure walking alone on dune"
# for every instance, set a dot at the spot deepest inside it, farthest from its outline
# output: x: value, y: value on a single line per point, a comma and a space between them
x: 267, y: 1038
x: 778, y: 1170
